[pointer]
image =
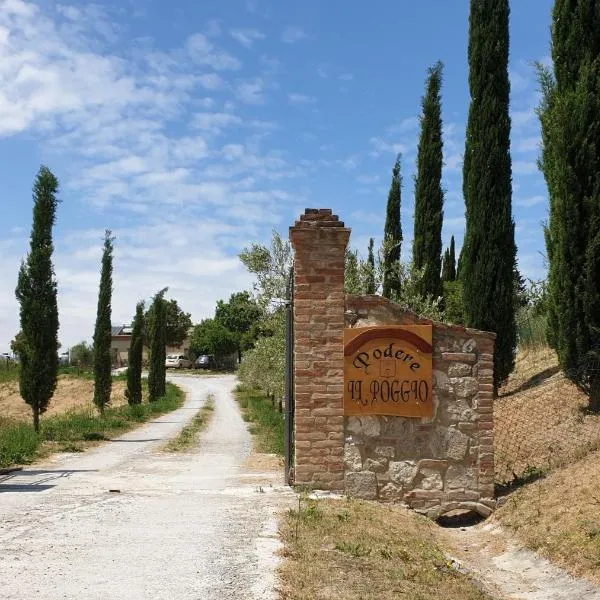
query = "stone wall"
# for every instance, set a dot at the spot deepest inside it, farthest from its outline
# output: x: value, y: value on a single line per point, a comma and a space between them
x: 438, y: 464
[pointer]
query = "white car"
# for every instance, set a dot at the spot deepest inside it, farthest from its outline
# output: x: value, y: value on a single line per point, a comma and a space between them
x: 178, y: 361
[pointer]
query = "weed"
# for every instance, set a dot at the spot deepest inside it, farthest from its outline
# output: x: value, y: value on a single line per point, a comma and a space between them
x: 18, y: 443
x: 353, y: 549
x: 188, y: 435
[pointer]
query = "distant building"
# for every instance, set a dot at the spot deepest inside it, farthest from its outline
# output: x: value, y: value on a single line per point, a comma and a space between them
x: 121, y: 340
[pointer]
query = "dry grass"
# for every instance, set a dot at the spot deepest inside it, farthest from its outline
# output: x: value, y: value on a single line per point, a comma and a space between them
x: 347, y: 549
x: 539, y: 419
x: 72, y: 393
x: 558, y: 517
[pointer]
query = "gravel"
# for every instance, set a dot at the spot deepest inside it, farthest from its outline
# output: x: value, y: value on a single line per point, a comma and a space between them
x: 174, y: 526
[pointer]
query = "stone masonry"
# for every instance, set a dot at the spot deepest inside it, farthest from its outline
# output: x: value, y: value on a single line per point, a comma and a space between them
x: 438, y: 464
x: 319, y: 240
x: 434, y: 465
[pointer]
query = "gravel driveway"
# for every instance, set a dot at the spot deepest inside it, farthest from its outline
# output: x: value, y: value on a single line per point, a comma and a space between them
x: 181, y: 526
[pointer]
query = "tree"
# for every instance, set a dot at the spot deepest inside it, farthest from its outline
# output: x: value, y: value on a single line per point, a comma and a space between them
x: 212, y: 337
x: 393, y: 234
x: 158, y: 343
x: 489, y: 248
x: 352, y: 279
x: 178, y: 323
x: 429, y: 196
x: 133, y: 393
x: 239, y: 315
x: 371, y: 288
x: 271, y: 266
x: 449, y: 263
x: 81, y: 354
x: 36, y: 293
x: 570, y: 118
x: 102, y: 332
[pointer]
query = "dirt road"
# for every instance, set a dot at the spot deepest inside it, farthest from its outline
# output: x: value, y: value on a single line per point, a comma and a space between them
x: 180, y: 527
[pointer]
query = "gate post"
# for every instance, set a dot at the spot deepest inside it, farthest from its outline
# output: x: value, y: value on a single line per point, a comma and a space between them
x: 319, y: 240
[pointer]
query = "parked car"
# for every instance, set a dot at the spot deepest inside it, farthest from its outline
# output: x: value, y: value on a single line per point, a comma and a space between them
x: 178, y: 361
x: 205, y: 361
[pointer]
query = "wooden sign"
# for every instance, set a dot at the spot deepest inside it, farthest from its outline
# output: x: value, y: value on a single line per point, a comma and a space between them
x: 388, y: 371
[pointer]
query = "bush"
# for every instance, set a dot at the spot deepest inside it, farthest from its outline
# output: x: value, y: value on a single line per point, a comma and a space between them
x: 267, y: 421
x: 18, y: 443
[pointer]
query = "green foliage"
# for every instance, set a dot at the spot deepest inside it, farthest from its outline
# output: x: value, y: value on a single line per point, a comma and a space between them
x: 271, y: 267
x: 267, y: 422
x: 157, y: 330
x: 240, y: 316
x: 102, y: 332
x: 212, y: 337
x: 429, y: 196
x: 9, y: 371
x: 82, y: 354
x: 352, y: 282
x: 263, y: 367
x: 570, y: 118
x: 392, y: 234
x: 18, y: 443
x: 489, y: 249
x: 133, y: 393
x: 371, y: 287
x: 36, y: 293
x: 449, y: 263
x: 177, y: 323
x: 454, y: 310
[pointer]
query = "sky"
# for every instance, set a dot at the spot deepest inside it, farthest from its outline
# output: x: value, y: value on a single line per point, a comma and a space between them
x: 193, y: 129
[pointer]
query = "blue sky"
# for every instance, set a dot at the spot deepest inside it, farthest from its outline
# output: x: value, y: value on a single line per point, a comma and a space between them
x: 192, y: 129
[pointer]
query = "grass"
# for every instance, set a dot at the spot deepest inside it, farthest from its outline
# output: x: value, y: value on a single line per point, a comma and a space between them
x: 558, y: 517
x: 189, y: 434
x: 8, y: 373
x: 73, y: 431
x: 267, y: 423
x: 348, y: 549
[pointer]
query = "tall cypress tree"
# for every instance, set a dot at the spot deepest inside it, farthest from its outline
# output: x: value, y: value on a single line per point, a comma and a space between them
x: 570, y: 119
x: 489, y: 248
x: 158, y: 344
x: 134, y: 362
x: 102, y: 332
x: 36, y: 293
x: 392, y: 236
x: 370, y: 287
x: 452, y: 259
x: 446, y: 267
x: 429, y: 196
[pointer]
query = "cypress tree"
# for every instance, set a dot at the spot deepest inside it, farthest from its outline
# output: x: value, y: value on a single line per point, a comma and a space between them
x: 102, y: 332
x: 158, y: 343
x: 429, y: 196
x: 452, y: 259
x: 36, y: 293
x: 446, y: 268
x: 370, y: 287
x: 489, y: 250
x: 392, y: 236
x: 570, y: 120
x: 134, y: 362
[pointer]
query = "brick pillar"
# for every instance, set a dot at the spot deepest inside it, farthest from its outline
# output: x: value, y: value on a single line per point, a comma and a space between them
x: 319, y: 240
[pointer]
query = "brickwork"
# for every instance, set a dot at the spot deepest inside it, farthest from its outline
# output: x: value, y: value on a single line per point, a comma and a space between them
x: 434, y: 465
x: 319, y: 240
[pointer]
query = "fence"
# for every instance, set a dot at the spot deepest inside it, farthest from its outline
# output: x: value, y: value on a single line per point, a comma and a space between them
x: 541, y: 423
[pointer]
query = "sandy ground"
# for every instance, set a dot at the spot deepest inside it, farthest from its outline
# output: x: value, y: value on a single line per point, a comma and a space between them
x: 507, y: 570
x: 71, y: 393
x: 196, y: 525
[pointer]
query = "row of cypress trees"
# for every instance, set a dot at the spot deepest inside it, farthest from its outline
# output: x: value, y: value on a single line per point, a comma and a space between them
x: 38, y: 345
x: 488, y: 258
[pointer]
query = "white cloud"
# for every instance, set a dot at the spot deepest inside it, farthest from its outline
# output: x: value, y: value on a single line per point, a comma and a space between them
x: 407, y: 125
x: 301, y: 99
x: 251, y: 92
x: 203, y: 52
x: 246, y: 37
x: 381, y: 146
x: 368, y: 179
x: 528, y: 144
x: 530, y: 202
x: 214, y: 122
x: 521, y: 167
x: 210, y: 81
x: 453, y: 162
x: 292, y: 34
x: 346, y: 77
x: 322, y: 72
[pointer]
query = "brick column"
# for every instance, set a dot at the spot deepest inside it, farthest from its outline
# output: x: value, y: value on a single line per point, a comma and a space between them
x: 319, y: 240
